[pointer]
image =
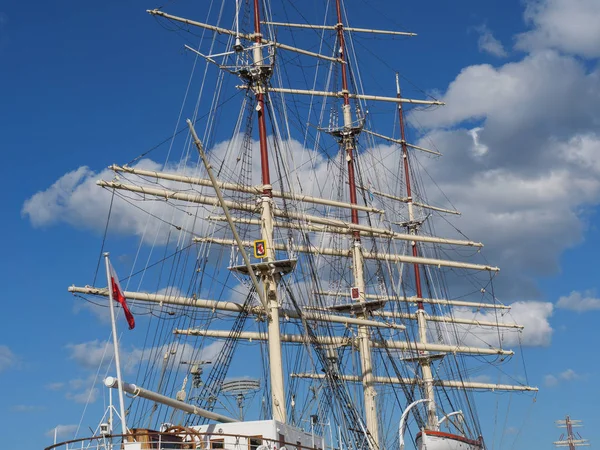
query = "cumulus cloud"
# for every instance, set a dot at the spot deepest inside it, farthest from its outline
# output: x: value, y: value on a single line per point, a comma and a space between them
x: 567, y: 25
x: 534, y: 316
x: 75, y: 198
x: 7, y: 358
x: 551, y: 380
x: 522, y: 94
x: 91, y: 354
x: 79, y: 390
x: 568, y: 375
x: 479, y: 149
x: 576, y: 301
x: 96, y: 353
x: 84, y: 395
x: 527, y: 172
x: 488, y: 43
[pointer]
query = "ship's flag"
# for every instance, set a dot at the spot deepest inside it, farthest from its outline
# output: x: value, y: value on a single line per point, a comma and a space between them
x: 117, y: 295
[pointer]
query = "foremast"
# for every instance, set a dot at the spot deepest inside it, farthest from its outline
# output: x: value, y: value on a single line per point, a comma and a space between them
x: 258, y: 79
x: 424, y: 359
x: 348, y: 140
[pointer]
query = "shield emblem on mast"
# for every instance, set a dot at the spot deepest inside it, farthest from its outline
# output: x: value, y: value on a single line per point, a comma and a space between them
x: 260, y: 249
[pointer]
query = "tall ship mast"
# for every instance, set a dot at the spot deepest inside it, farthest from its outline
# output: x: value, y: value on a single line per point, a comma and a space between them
x: 297, y: 247
x: 571, y: 439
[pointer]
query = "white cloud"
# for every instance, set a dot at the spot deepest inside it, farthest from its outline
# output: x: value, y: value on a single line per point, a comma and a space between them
x: 91, y: 354
x: 479, y: 149
x: 556, y: 379
x: 481, y: 379
x: 568, y: 375
x: 534, y: 316
x: 27, y: 408
x: 488, y: 43
x: 86, y: 396
x: 62, y: 431
x: 520, y: 160
x: 94, y: 354
x: 522, y: 93
x: 75, y: 198
x: 550, y: 381
x: 7, y: 358
x: 567, y: 25
x: 79, y: 390
x: 576, y: 301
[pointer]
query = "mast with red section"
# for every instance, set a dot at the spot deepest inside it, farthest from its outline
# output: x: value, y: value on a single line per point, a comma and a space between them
x: 413, y: 226
x: 348, y: 141
x: 572, y: 439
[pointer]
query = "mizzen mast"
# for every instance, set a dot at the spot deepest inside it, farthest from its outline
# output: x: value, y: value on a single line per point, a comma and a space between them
x: 412, y: 225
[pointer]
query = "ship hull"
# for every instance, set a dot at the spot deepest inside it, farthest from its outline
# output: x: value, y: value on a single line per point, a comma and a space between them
x: 438, y: 440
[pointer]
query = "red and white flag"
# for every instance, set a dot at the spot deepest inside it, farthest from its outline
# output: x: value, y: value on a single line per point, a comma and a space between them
x: 117, y: 295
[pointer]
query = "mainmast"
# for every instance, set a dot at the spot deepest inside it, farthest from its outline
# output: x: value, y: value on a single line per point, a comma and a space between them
x: 348, y: 135
x: 259, y: 78
x: 424, y: 359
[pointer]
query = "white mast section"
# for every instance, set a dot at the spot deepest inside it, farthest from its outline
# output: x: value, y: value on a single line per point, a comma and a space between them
x: 410, y: 200
x: 111, y: 307
x: 433, y: 318
x: 424, y: 360
x: 364, y: 230
x: 416, y: 299
x: 341, y: 94
x: 257, y: 190
x: 400, y: 141
x: 448, y: 319
x: 137, y: 391
x: 215, y: 185
x: 355, y: 342
x: 445, y: 383
x: 251, y: 207
x: 216, y: 305
x: 365, y: 254
x: 248, y: 37
x: 335, y: 27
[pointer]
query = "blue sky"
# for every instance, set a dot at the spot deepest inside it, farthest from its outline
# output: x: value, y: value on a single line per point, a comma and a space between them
x: 87, y: 85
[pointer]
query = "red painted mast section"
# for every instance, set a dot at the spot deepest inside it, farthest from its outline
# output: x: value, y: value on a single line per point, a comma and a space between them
x: 570, y: 433
x: 349, y: 147
x: 262, y: 126
x: 415, y: 250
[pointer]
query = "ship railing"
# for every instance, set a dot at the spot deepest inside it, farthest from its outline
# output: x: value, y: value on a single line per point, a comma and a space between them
x: 183, y: 438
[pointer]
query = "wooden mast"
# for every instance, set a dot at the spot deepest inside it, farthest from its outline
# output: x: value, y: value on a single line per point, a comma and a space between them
x: 259, y: 82
x: 424, y: 360
x: 349, y: 143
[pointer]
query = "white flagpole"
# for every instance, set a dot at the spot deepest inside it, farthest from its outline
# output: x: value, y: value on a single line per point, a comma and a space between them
x: 116, y: 343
